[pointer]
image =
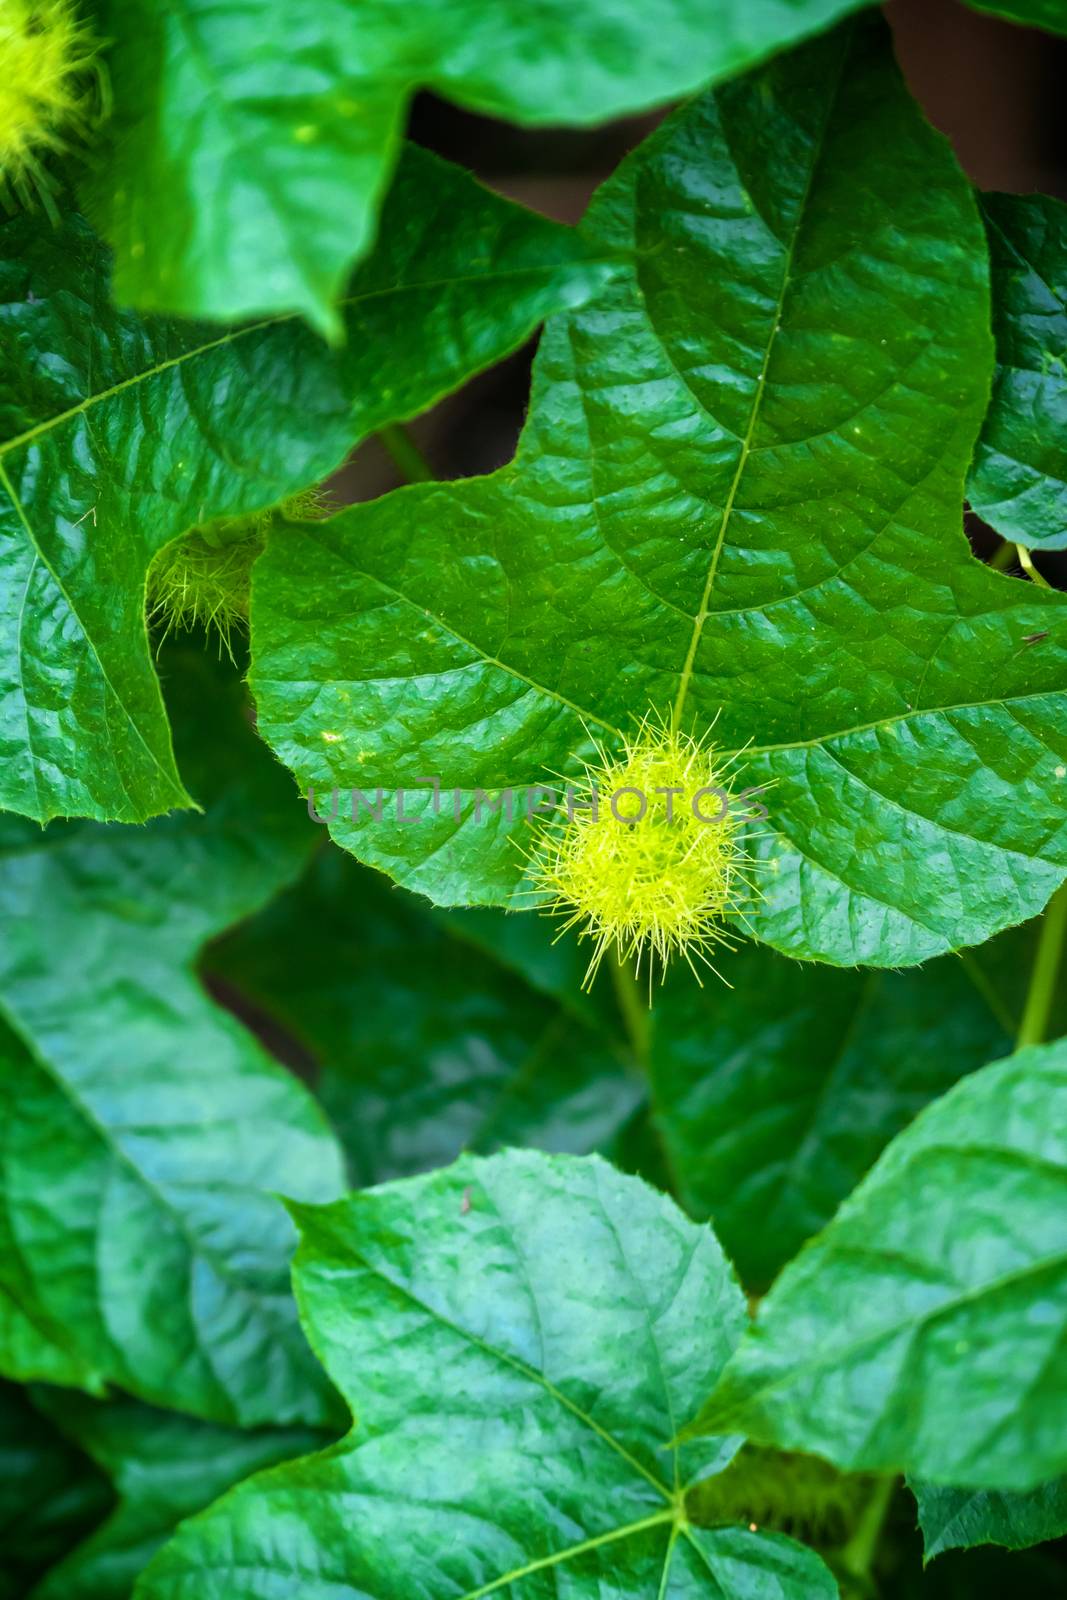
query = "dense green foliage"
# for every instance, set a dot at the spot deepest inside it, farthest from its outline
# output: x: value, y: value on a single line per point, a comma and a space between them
x: 354, y: 1242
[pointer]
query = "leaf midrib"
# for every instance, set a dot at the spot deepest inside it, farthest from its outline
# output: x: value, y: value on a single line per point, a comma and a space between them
x: 516, y: 1363
x: 235, y: 335
x: 757, y: 399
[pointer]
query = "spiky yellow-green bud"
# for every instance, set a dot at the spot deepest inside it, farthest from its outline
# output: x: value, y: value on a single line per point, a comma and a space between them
x: 659, y: 861
x: 46, y: 88
x: 203, y: 578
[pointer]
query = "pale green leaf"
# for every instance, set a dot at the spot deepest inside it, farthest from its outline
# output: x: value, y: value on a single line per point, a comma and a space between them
x: 519, y: 1338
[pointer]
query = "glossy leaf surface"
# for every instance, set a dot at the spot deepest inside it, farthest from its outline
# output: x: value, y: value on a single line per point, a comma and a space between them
x: 273, y: 133
x: 737, y: 496
x: 574, y: 1317
x: 924, y: 1329
x: 1018, y: 483
x: 117, y: 433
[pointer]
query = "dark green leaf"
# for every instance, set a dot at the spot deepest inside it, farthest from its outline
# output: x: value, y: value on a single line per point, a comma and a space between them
x: 144, y: 1134
x: 773, y: 1098
x: 427, y: 1044
x: 953, y: 1519
x: 164, y: 1468
x: 738, y: 494
x: 117, y: 434
x: 926, y: 1328
x: 271, y: 132
x: 50, y: 1493
x: 1018, y: 482
x: 519, y: 1338
x: 1048, y: 14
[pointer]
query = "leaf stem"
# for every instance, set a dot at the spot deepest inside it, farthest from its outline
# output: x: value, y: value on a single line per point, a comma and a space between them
x: 1003, y: 556
x: 859, y: 1554
x: 1042, y: 990
x: 634, y: 1011
x: 1026, y: 562
x: 406, y: 455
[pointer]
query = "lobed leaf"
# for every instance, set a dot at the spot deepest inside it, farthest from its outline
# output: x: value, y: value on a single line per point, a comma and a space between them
x: 924, y: 1329
x: 737, y: 497
x: 118, y: 433
x: 518, y: 1337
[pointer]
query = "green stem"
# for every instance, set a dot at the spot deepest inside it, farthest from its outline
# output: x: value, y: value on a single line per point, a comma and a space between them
x: 1042, y: 990
x: 1028, y: 567
x: 634, y: 1009
x: 407, y: 457
x: 1003, y: 556
x: 861, y: 1551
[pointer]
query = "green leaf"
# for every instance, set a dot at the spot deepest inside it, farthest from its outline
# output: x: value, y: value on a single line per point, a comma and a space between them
x: 144, y: 1134
x: 738, y: 494
x: 520, y: 1338
x: 1018, y: 482
x: 954, y: 1519
x: 427, y: 1046
x: 1047, y: 14
x: 926, y: 1328
x: 164, y: 1468
x: 272, y: 133
x: 119, y: 433
x: 773, y: 1098
x: 50, y: 1493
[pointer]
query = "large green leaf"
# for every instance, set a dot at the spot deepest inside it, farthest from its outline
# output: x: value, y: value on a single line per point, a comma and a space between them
x: 738, y: 494
x: 926, y: 1327
x: 144, y: 1134
x: 774, y: 1097
x: 50, y: 1493
x: 118, y: 433
x: 269, y: 132
x: 520, y: 1338
x: 427, y: 1046
x: 955, y: 1519
x: 1018, y: 482
x: 164, y: 1468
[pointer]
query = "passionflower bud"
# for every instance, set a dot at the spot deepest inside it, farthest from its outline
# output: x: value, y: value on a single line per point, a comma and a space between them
x: 656, y: 864
x: 48, y: 89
